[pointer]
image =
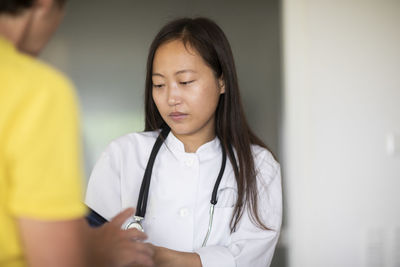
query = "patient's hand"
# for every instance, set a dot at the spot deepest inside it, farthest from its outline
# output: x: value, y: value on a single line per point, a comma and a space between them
x: 112, y: 246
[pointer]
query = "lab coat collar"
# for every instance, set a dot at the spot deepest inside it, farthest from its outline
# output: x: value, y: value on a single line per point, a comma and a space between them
x: 209, y: 149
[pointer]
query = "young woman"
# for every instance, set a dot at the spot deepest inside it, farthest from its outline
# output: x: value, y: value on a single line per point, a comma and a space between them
x: 208, y: 189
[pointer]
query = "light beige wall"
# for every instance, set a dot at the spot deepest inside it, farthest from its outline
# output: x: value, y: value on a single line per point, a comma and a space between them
x: 341, y: 102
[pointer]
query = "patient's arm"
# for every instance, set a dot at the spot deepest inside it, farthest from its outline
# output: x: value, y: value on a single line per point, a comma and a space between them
x: 53, y: 243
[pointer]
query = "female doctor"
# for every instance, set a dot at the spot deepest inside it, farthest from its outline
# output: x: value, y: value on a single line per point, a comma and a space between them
x: 214, y: 194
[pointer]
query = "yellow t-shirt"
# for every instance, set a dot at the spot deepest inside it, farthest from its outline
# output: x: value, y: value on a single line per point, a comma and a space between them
x: 40, y: 170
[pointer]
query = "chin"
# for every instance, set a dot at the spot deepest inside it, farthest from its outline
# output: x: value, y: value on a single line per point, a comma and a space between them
x: 181, y: 129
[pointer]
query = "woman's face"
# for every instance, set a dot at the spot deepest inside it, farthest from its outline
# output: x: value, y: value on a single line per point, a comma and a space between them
x: 185, y: 90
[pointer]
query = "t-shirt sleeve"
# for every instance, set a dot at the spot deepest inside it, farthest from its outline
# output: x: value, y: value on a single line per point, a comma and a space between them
x: 45, y: 154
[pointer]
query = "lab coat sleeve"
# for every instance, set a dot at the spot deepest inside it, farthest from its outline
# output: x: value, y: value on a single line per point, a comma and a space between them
x: 250, y: 245
x: 103, y: 193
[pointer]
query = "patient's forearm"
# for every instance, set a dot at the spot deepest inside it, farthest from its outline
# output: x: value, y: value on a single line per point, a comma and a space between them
x: 165, y: 257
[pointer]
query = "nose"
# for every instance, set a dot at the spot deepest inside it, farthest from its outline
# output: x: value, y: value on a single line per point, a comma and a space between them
x: 174, y: 97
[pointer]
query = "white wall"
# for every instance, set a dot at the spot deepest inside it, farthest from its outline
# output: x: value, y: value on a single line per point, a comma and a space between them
x: 341, y: 99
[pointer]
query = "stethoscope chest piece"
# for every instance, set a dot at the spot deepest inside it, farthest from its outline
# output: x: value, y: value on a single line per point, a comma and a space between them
x: 135, y: 224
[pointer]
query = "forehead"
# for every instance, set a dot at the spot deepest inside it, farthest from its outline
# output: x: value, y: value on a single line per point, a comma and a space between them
x: 175, y: 56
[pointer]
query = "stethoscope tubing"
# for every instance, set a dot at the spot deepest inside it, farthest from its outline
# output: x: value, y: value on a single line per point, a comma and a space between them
x: 94, y: 219
x: 145, y: 186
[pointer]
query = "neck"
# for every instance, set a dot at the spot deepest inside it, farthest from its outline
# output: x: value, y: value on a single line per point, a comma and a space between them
x: 193, y: 142
x: 14, y: 27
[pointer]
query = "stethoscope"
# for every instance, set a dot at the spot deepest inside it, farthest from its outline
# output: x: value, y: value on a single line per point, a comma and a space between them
x: 144, y: 188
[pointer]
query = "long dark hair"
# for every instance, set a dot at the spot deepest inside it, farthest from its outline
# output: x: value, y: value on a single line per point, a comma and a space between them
x: 231, y: 126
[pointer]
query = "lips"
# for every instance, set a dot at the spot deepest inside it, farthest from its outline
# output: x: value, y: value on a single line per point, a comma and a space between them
x: 177, y: 116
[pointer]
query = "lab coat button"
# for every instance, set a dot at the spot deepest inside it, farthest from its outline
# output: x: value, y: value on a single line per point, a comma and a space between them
x: 189, y: 162
x: 183, y: 212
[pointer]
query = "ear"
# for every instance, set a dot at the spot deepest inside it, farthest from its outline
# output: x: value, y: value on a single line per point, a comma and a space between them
x: 221, y: 85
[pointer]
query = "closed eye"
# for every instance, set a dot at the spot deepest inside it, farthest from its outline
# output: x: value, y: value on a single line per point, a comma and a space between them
x: 187, y: 82
x: 158, y: 85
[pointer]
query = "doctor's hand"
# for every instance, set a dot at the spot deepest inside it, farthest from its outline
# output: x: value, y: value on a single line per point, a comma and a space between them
x: 113, y: 247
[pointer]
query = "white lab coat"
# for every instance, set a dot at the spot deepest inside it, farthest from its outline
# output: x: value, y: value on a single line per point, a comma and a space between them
x: 177, y: 214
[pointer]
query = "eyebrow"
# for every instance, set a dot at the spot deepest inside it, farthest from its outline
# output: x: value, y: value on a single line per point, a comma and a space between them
x: 176, y: 73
